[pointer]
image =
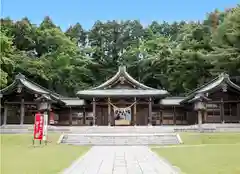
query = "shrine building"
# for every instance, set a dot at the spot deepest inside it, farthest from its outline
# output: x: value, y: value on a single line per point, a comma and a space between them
x: 122, y: 100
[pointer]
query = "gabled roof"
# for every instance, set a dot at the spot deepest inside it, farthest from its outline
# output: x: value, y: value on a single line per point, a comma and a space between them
x: 138, y: 89
x: 22, y: 81
x: 220, y: 81
x: 122, y: 72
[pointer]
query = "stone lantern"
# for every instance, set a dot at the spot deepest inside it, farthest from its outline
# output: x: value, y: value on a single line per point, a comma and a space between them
x: 200, y: 102
x: 200, y: 105
x: 44, y: 103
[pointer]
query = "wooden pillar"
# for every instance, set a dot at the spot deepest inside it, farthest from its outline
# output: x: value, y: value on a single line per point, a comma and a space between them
x: 174, y: 115
x: 70, y: 116
x: 184, y: 116
x: 5, y: 114
x: 94, y: 111
x: 1, y: 109
x: 135, y: 111
x: 161, y: 117
x: 205, y: 116
x: 150, y: 111
x: 84, y: 115
x: 238, y: 111
x: 222, y: 111
x: 109, y: 113
x: 22, y: 112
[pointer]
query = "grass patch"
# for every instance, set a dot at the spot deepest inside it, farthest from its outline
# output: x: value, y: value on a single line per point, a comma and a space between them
x: 219, y: 153
x: 18, y: 156
x: 210, y: 138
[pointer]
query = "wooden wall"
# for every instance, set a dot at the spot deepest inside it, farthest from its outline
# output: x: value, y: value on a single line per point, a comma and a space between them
x: 223, y: 107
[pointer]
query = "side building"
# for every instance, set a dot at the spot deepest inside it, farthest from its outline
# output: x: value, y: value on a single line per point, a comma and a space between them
x: 122, y: 100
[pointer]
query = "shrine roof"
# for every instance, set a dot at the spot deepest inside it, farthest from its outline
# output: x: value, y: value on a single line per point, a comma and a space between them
x: 22, y: 82
x: 222, y: 81
x: 122, y: 76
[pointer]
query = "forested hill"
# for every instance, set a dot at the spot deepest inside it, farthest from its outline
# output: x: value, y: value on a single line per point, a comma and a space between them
x: 178, y: 57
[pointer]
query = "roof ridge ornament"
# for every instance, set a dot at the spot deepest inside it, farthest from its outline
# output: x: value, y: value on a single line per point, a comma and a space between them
x: 224, y: 75
x: 122, y: 68
x: 19, y: 76
x: 224, y: 87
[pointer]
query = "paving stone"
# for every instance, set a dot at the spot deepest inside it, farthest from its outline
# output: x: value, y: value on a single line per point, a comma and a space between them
x: 120, y: 160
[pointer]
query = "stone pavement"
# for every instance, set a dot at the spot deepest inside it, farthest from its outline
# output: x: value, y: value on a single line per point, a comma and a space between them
x: 120, y: 160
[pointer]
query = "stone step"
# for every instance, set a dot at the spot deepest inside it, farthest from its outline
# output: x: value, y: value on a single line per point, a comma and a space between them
x: 120, y: 139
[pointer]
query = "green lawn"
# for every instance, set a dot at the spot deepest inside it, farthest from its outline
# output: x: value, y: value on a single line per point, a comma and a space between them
x: 216, y: 153
x: 18, y: 156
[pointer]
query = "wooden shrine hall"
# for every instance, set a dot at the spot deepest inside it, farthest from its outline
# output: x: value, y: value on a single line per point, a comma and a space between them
x: 122, y: 100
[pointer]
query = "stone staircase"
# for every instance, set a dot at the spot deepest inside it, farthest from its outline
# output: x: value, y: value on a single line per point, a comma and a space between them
x: 111, y: 139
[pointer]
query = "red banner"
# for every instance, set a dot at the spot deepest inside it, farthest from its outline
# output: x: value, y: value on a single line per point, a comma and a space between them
x: 38, y: 126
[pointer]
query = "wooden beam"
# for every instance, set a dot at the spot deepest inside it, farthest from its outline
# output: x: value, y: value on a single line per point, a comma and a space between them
x: 225, y: 101
x: 25, y: 102
x: 116, y: 103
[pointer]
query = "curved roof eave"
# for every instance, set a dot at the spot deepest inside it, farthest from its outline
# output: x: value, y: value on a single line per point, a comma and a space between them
x: 12, y: 85
x: 33, y: 87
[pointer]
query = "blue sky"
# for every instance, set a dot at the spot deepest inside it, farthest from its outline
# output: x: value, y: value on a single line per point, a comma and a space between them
x: 86, y: 12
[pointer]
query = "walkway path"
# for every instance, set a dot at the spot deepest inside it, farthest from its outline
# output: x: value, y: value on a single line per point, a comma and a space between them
x: 120, y: 160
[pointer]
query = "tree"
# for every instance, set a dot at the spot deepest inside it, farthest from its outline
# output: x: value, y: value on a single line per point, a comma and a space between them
x: 77, y: 34
x: 177, y: 56
x: 226, y: 42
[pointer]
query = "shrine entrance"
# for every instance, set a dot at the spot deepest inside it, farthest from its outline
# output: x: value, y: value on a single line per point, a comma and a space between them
x: 122, y: 114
